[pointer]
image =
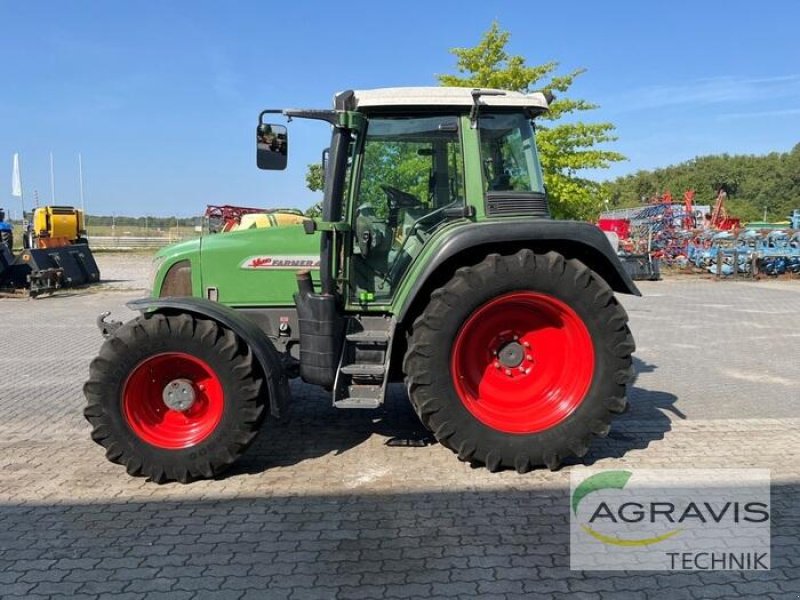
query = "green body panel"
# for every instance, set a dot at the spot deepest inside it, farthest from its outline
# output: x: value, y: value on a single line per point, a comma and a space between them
x: 472, y: 167
x: 254, y: 267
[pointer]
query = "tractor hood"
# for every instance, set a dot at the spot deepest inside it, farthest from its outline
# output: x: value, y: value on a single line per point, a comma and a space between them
x: 257, y: 267
x: 179, y: 249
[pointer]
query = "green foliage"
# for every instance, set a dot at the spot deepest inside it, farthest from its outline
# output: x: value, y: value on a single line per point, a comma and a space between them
x: 565, y: 148
x: 314, y: 211
x: 315, y: 178
x: 151, y: 223
x: 771, y: 181
x: 395, y: 164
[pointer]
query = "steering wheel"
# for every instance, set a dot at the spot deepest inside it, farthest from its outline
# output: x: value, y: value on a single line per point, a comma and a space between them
x: 397, y: 199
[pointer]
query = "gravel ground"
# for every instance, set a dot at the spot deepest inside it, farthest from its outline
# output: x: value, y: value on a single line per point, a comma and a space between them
x: 322, y: 508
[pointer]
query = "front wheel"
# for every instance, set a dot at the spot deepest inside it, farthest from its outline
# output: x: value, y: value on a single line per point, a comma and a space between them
x: 520, y: 360
x: 174, y: 397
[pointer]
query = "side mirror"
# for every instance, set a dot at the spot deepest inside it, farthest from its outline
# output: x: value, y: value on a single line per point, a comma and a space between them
x: 272, y: 146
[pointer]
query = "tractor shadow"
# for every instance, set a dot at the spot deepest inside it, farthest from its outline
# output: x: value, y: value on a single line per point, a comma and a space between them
x: 316, y: 429
x: 647, y: 419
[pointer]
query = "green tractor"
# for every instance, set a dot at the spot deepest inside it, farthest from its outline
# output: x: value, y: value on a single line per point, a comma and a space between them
x: 435, y: 262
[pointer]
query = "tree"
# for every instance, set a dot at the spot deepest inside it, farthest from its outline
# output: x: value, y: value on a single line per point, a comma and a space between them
x: 565, y: 148
x: 755, y: 184
x: 315, y: 180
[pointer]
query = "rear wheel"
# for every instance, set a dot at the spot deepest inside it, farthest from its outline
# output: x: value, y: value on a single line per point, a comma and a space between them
x: 520, y: 360
x: 7, y: 238
x: 174, y: 397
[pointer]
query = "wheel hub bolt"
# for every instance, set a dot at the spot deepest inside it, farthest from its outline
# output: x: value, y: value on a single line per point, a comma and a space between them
x: 179, y: 395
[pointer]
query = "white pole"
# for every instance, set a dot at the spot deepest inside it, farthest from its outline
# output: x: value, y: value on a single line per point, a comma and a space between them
x: 21, y: 193
x: 22, y: 203
x: 52, y: 181
x: 80, y: 181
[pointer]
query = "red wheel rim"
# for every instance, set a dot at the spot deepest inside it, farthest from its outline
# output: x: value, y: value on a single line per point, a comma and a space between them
x: 554, y: 372
x: 152, y: 420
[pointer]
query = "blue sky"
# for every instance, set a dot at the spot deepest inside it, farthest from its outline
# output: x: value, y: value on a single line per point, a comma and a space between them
x: 161, y: 98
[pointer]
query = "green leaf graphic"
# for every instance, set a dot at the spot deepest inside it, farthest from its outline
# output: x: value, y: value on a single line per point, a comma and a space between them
x: 600, y: 481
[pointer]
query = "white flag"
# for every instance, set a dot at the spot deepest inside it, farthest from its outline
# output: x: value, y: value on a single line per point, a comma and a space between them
x: 16, y: 183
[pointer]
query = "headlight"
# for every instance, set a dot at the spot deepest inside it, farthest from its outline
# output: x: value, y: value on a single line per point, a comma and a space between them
x: 178, y: 280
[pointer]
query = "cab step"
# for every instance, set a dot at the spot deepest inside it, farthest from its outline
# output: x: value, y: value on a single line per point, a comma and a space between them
x: 363, y: 370
x: 367, y: 403
x: 364, y: 363
x: 369, y: 337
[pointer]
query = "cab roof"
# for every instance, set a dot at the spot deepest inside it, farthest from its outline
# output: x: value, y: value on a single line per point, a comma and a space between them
x: 440, y: 97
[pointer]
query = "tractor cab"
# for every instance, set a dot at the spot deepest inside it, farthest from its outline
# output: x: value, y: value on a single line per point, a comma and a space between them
x: 407, y: 162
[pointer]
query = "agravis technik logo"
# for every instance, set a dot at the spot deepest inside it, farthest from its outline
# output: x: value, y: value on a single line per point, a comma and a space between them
x: 670, y: 519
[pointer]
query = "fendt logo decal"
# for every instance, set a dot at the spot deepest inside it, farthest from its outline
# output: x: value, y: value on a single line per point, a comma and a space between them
x: 281, y: 262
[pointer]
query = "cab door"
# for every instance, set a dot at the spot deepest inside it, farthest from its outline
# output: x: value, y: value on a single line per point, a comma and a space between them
x: 411, y: 173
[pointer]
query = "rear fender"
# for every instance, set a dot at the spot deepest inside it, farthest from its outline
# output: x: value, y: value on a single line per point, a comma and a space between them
x: 574, y: 239
x: 263, y: 349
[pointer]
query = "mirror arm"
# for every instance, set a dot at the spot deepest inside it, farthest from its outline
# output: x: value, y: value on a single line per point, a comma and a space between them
x: 268, y: 111
x: 301, y: 113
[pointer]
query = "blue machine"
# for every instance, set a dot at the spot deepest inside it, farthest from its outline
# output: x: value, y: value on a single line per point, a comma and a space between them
x: 795, y: 218
x: 6, y: 231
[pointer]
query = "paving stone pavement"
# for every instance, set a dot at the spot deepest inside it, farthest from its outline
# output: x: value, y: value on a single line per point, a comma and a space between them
x: 323, y: 508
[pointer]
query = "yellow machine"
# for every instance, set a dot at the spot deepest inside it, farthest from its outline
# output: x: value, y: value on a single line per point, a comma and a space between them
x: 56, y: 226
x: 275, y: 219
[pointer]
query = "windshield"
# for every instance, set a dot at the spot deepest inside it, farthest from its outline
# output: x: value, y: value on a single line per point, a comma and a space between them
x: 508, y: 152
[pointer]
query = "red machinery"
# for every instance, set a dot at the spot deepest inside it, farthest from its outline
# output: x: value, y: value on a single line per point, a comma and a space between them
x: 688, y: 210
x: 719, y: 215
x: 226, y: 217
x: 622, y: 227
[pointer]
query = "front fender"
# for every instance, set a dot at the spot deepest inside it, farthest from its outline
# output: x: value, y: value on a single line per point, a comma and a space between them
x: 261, y: 346
x: 574, y: 239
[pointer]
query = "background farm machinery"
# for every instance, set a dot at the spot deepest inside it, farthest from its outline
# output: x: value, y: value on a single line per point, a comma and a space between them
x: 222, y: 218
x: 689, y: 236
x: 55, y: 254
